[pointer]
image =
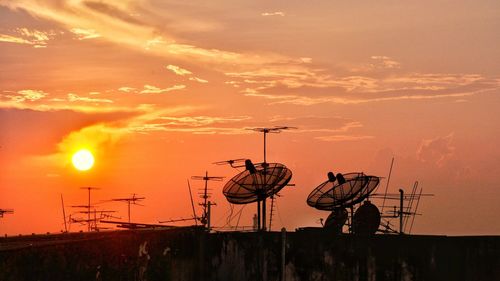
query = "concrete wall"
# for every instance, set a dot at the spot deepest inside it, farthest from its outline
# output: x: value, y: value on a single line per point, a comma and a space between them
x: 191, y: 254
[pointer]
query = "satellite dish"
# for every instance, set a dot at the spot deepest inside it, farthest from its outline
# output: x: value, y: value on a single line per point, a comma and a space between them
x: 331, y: 194
x: 257, y: 182
x: 336, y: 220
x: 366, y: 219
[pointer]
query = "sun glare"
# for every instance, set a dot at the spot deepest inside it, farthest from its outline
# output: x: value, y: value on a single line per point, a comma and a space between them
x: 83, y: 160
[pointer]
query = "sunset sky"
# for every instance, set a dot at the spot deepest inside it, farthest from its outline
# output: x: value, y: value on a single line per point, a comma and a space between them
x: 159, y: 90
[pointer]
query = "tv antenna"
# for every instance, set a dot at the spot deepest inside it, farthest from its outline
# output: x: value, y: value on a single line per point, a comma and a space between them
x: 130, y: 201
x: 5, y: 211
x: 407, y: 209
x: 89, y: 188
x: 205, y: 195
x: 273, y: 130
x: 265, y: 131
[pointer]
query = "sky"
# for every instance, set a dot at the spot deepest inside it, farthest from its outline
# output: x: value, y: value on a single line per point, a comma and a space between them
x: 159, y: 90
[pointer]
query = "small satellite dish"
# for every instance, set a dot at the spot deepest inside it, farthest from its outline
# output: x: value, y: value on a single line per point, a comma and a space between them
x: 257, y: 182
x: 336, y: 220
x: 366, y: 219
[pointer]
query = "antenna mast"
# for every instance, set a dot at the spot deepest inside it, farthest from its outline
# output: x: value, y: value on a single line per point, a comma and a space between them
x: 89, y: 188
x: 261, y: 219
x: 205, y: 219
x: 129, y: 200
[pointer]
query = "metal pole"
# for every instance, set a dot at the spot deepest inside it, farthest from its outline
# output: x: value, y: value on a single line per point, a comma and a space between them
x: 263, y: 187
x: 258, y: 215
x: 64, y: 214
x: 265, y: 146
x: 283, y: 253
x: 401, y: 195
x: 192, y: 204
x: 88, y: 211
x: 416, y: 208
x: 264, y: 214
x: 128, y: 210
x: 208, y: 215
x: 205, y: 195
x: 387, y: 185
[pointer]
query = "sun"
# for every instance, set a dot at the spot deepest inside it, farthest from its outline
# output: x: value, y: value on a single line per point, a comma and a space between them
x: 83, y: 160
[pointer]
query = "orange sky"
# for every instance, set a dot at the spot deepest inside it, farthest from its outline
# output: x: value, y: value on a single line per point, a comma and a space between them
x: 161, y: 89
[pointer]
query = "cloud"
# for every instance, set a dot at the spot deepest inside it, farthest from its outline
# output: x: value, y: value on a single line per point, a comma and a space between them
x: 149, y: 89
x: 36, y: 38
x: 75, y: 97
x: 126, y: 89
x: 198, y: 79
x: 13, y: 39
x: 437, y: 150
x: 337, y: 138
x: 308, y: 101
x: 26, y: 95
x: 197, y: 121
x: 21, y: 126
x: 156, y: 122
x: 384, y: 62
x: 177, y: 70
x: 83, y: 34
x: 270, y: 14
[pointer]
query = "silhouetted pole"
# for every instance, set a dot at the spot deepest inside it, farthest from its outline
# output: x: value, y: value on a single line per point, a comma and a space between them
x: 258, y: 215
x: 128, y: 211
x: 265, y: 183
x: 205, y: 196
x: 208, y: 214
x: 64, y: 214
x: 192, y: 204
x: 401, y: 195
x: 88, y: 213
x: 283, y: 253
x: 387, y: 185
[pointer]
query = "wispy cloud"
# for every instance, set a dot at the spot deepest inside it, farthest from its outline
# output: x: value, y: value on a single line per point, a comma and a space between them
x: 25, y: 95
x: 199, y: 80
x: 384, y: 62
x: 307, y: 101
x: 126, y: 89
x: 83, y: 34
x: 36, y: 38
x: 177, y: 70
x: 75, y: 98
x: 270, y: 14
x: 437, y: 150
x: 149, y: 89
x: 337, y: 138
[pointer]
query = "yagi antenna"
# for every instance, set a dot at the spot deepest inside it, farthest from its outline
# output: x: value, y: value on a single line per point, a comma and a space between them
x: 265, y: 131
x: 89, y: 188
x: 5, y: 211
x: 129, y: 201
x: 205, y: 219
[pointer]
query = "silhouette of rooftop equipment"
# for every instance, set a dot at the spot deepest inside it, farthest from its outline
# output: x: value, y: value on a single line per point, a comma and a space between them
x: 344, y: 191
x: 130, y: 201
x: 205, y: 195
x: 258, y: 181
x: 5, y: 211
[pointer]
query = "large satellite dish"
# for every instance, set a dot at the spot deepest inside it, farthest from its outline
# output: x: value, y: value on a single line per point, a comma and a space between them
x: 342, y: 191
x: 259, y: 181
x: 256, y: 182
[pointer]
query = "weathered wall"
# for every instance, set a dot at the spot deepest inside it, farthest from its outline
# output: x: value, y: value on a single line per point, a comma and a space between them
x: 191, y: 254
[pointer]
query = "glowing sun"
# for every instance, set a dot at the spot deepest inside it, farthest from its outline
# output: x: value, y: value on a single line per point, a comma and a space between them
x: 83, y: 160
